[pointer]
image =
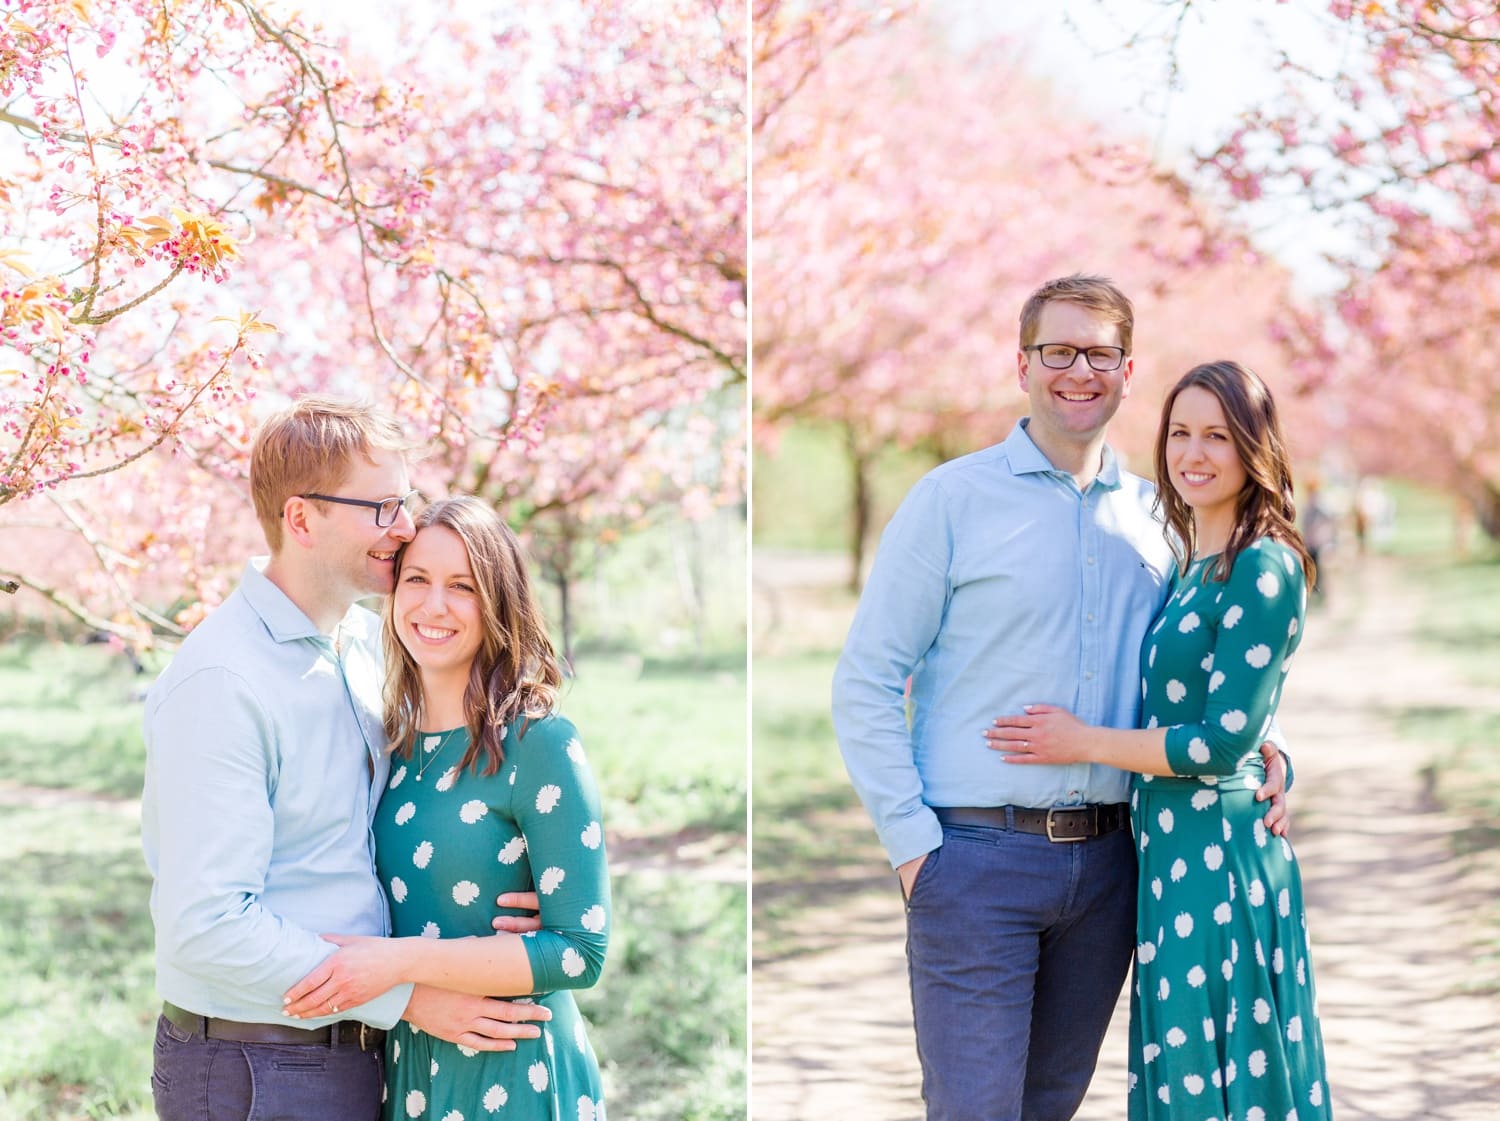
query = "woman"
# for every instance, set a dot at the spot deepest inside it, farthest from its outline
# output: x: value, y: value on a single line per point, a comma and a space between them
x: 1222, y: 1016
x: 489, y: 793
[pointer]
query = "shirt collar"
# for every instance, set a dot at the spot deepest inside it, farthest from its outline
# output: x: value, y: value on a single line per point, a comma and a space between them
x: 285, y: 621
x: 1028, y: 459
x: 1109, y: 470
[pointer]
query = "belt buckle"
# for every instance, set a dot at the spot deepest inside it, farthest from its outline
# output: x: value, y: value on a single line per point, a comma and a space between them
x: 1054, y: 838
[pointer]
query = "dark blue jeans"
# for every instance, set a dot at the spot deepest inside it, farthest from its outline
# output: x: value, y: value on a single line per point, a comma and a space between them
x: 1017, y: 948
x: 197, y: 1079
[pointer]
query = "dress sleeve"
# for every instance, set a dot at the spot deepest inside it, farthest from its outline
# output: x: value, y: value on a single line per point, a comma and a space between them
x: 1264, y: 600
x: 556, y: 805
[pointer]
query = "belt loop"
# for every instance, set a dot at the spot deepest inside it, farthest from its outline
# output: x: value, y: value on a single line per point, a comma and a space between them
x: 1010, y: 819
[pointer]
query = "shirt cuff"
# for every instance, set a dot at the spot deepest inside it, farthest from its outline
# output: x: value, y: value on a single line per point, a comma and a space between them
x: 912, y: 836
x: 385, y: 1010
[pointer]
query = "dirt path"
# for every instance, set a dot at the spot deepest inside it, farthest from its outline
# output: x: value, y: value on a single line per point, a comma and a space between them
x: 1412, y: 1034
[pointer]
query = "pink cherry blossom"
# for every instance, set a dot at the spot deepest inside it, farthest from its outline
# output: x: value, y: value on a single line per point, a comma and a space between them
x: 527, y: 238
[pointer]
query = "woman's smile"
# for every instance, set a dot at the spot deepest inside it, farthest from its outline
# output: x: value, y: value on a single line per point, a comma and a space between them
x: 437, y: 602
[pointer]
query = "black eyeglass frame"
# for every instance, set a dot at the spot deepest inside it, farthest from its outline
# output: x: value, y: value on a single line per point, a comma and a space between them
x: 1085, y: 351
x: 396, y: 505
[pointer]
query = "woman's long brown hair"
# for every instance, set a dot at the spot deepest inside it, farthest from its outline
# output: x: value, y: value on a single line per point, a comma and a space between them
x: 1264, y: 506
x: 515, y: 672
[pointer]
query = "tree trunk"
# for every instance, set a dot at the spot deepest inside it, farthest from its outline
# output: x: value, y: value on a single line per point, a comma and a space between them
x: 1485, y: 502
x: 864, y: 500
x: 563, y: 581
x: 556, y: 557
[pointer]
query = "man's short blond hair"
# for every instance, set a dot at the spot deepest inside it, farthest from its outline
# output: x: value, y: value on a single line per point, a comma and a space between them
x: 310, y: 447
x: 1097, y: 293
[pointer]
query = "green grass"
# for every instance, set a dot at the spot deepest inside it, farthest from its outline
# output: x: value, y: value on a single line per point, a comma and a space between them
x: 1460, y: 625
x: 667, y: 742
x: 77, y: 1008
x: 673, y: 590
x: 668, y: 1015
x: 73, y: 717
x: 667, y: 739
x: 1465, y: 774
x: 1459, y: 590
x: 1461, y: 619
x: 1425, y: 523
x: 804, y: 489
x: 797, y: 763
x: 812, y: 839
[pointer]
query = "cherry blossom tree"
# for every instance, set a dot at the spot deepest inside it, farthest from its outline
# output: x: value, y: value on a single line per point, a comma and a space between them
x: 1386, y: 136
x: 525, y: 236
x: 1399, y: 144
x: 908, y: 196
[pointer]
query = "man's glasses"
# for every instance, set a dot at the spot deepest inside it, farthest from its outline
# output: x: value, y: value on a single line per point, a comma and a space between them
x: 1060, y: 356
x: 386, y: 510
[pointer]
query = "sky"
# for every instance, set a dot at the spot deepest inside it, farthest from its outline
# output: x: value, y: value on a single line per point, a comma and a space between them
x: 1111, y: 55
x: 1112, y: 59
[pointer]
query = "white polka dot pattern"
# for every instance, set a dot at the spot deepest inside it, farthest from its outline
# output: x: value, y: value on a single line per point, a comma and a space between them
x: 445, y: 850
x: 1214, y: 1035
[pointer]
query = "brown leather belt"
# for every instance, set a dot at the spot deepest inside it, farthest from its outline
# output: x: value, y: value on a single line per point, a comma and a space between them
x: 345, y: 1032
x: 1058, y: 824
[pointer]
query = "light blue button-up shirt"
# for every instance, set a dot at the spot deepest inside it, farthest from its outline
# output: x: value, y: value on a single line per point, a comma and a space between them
x: 264, y: 761
x: 998, y: 583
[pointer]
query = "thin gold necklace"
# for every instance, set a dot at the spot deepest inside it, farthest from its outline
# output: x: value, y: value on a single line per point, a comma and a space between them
x: 433, y: 753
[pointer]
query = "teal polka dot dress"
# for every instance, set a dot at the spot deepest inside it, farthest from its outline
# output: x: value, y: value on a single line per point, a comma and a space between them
x: 447, y: 843
x: 1223, y: 1015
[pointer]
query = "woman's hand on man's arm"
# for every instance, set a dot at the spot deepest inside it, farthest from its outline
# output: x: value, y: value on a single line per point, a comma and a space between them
x: 361, y: 969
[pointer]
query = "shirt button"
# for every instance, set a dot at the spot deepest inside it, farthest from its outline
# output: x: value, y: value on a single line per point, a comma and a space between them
x: 1090, y: 616
x: 1091, y: 560
x: 1089, y: 676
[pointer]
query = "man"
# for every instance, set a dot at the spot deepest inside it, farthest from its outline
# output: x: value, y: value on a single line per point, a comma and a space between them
x: 264, y: 760
x: 1024, y: 573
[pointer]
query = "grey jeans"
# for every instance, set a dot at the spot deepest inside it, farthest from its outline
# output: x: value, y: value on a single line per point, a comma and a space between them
x: 198, y: 1079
